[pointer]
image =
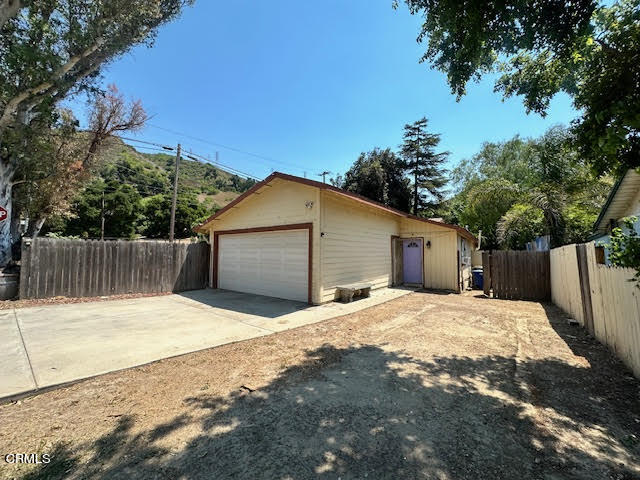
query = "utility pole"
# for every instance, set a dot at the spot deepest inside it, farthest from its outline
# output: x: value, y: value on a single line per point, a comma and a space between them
x: 102, y: 218
x: 323, y: 175
x: 175, y: 197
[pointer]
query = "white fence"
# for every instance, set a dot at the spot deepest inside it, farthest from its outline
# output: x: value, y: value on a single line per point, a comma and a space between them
x: 609, y: 307
x: 565, y: 284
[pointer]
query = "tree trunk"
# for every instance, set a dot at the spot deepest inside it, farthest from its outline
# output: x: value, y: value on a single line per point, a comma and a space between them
x: 16, y: 234
x: 34, y: 227
x: 415, y: 190
x: 6, y: 178
x: 9, y: 9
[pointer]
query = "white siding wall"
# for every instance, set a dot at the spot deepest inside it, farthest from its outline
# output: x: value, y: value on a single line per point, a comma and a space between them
x: 281, y: 204
x: 441, y: 260
x: 356, y: 246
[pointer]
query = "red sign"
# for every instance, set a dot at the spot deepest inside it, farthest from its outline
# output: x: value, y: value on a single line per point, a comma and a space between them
x: 3, y: 214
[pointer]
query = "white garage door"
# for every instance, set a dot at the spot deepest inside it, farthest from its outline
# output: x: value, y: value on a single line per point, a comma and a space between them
x: 274, y: 264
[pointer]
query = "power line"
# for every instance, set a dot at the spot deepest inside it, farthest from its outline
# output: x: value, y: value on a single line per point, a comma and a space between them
x: 227, y: 147
x: 164, y: 147
x: 157, y: 147
x: 213, y: 162
x: 153, y: 149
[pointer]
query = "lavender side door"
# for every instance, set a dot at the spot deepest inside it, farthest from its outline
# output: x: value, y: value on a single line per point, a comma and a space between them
x: 412, y: 261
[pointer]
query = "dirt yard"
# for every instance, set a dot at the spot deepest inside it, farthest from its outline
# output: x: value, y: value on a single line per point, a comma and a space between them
x: 425, y: 386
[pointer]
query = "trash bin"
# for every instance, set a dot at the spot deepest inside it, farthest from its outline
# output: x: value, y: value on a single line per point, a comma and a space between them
x: 477, y: 278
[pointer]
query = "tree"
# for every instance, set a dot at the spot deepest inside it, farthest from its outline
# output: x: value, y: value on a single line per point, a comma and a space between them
x: 59, y: 159
x: 189, y: 213
x: 240, y: 184
x: 484, y: 204
x: 585, y: 49
x: 624, y: 247
x: 50, y: 49
x: 50, y: 170
x: 546, y: 173
x: 521, y: 224
x: 424, y: 165
x: 378, y: 175
x: 119, y: 203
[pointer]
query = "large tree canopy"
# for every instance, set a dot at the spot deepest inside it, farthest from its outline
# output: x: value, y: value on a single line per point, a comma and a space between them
x: 50, y: 49
x: 378, y: 175
x: 502, y: 186
x: 589, y: 50
x: 424, y: 165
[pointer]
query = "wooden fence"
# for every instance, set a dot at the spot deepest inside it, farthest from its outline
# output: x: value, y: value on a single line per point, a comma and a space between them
x: 600, y: 297
x: 90, y: 268
x: 517, y: 275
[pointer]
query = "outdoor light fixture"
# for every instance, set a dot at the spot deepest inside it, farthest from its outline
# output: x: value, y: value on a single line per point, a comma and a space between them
x: 428, y: 244
x: 309, y: 204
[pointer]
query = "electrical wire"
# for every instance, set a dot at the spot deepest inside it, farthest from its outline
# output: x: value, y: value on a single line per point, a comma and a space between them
x: 227, y: 147
x: 158, y: 147
x: 208, y: 160
x: 164, y: 147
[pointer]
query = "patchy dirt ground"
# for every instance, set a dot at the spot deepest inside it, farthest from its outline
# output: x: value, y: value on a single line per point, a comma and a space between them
x: 426, y: 386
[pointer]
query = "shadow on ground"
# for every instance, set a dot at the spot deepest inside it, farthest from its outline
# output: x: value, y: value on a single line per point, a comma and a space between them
x: 367, y: 412
x: 247, y: 303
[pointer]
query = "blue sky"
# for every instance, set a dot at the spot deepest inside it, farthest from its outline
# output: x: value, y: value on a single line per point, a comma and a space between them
x: 307, y: 84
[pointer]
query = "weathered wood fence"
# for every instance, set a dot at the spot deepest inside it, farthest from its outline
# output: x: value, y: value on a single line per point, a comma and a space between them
x: 89, y: 268
x: 600, y: 297
x: 517, y: 275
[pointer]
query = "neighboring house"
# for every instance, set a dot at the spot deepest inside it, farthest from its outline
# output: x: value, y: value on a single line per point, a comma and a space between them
x: 623, y: 201
x: 540, y: 244
x: 294, y: 238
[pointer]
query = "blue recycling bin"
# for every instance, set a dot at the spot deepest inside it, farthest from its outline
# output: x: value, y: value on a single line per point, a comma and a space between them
x: 477, y: 278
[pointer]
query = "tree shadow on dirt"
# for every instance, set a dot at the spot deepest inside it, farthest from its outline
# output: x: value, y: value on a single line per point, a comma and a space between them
x: 365, y: 412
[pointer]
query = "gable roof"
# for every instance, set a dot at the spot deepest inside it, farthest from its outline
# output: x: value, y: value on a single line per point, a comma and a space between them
x: 324, y: 186
x: 622, y: 193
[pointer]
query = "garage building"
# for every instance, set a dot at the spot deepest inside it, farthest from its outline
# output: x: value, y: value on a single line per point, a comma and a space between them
x: 294, y: 238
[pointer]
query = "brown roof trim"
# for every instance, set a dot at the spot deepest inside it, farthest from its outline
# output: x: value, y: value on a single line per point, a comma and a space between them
x: 324, y: 186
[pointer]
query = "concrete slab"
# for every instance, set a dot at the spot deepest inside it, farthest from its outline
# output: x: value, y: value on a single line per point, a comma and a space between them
x: 65, y: 343
x: 15, y: 371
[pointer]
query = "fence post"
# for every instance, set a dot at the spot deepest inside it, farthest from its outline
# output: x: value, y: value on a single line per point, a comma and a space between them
x: 25, y: 263
x: 585, y: 287
x: 486, y: 272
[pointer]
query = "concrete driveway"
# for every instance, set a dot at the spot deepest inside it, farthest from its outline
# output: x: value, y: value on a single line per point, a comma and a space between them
x: 55, y: 344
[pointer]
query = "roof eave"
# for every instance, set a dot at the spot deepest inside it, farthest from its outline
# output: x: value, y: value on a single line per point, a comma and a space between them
x: 203, y: 227
x: 607, y: 204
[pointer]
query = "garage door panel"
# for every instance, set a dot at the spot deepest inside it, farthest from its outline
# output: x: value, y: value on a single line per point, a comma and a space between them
x: 265, y: 263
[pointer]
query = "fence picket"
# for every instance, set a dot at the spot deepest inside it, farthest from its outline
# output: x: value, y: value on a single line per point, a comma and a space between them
x: 614, y: 300
x: 517, y: 275
x: 86, y: 268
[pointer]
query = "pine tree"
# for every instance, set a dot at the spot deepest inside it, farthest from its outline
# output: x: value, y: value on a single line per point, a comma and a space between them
x: 424, y: 165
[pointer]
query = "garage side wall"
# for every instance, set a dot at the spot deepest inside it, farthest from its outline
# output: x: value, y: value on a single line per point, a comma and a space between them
x: 356, y: 244
x: 282, y: 203
x: 441, y: 258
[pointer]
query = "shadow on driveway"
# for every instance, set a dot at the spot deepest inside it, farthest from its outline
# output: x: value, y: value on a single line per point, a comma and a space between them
x: 246, y: 303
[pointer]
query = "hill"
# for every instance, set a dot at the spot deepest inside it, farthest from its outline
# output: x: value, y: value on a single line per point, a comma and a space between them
x: 152, y: 174
x: 130, y: 196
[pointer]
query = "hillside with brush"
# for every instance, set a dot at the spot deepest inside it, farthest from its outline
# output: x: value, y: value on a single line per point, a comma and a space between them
x: 137, y: 188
